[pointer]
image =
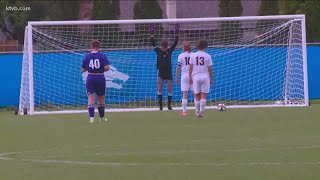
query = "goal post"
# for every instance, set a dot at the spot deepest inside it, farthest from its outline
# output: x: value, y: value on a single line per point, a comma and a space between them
x: 258, y: 61
x: 304, y: 58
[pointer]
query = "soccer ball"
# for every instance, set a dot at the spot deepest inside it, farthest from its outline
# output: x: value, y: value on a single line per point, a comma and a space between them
x: 221, y: 107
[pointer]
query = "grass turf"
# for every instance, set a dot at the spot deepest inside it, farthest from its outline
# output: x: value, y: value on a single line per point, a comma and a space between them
x: 264, y: 143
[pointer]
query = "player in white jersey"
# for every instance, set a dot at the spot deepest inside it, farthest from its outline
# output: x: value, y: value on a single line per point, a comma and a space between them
x: 183, y: 66
x: 201, y: 76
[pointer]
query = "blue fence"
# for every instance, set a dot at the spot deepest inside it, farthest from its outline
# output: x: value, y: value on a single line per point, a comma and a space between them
x: 10, y: 78
x: 11, y: 74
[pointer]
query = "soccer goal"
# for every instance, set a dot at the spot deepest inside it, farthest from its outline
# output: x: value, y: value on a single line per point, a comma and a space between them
x: 258, y: 61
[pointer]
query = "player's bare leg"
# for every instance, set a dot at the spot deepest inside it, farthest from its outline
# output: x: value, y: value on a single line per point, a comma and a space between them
x: 169, y: 87
x: 194, y: 98
x: 91, y: 107
x: 197, y: 104
x: 160, y: 85
x: 101, y: 107
x: 184, y: 102
x: 203, y: 102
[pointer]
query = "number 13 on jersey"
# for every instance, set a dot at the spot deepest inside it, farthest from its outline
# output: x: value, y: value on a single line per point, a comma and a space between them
x: 200, y: 61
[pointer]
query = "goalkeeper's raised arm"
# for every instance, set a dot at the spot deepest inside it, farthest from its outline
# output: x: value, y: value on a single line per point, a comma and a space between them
x: 164, y: 54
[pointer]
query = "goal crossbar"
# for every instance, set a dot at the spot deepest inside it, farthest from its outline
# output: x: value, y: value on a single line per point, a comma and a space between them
x: 181, y: 20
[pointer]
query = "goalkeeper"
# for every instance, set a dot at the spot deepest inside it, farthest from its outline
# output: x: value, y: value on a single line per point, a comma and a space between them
x: 164, y: 63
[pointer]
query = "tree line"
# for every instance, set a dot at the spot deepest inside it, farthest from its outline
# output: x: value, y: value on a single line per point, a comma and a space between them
x: 12, y: 23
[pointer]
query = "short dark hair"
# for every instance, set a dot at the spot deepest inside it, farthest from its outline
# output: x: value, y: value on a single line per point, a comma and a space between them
x: 95, y: 44
x: 202, y: 44
x: 164, y: 43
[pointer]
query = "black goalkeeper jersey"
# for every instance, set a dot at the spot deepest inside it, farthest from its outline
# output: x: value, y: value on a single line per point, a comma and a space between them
x: 164, y: 59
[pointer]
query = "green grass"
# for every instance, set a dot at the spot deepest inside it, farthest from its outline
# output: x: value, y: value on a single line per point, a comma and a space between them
x: 248, y: 144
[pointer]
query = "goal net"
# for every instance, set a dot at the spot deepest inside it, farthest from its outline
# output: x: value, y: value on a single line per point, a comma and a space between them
x: 257, y: 61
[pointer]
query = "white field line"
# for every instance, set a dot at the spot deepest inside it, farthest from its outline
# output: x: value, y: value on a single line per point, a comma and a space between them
x: 168, y: 152
x: 9, y: 153
x: 165, y: 164
x: 123, y: 164
x: 19, y: 152
x: 4, y: 158
x: 174, y: 152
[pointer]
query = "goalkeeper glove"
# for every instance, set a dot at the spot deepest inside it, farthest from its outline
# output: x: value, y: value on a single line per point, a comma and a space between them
x: 152, y: 29
x: 177, y: 28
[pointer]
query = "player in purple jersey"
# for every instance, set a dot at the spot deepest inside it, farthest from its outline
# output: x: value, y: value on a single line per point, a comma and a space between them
x: 95, y: 63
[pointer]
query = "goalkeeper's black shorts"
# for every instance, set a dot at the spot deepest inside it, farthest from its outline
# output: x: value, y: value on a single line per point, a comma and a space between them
x: 165, y: 76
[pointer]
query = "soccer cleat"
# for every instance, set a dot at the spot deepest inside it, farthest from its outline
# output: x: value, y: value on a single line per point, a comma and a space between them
x: 103, y: 119
x: 200, y: 114
x: 160, y: 101
x: 91, y: 121
x: 170, y: 108
x: 183, y: 113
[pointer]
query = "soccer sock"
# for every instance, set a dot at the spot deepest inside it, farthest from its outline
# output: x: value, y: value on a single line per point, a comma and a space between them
x: 169, y: 100
x: 184, y: 105
x: 197, y: 106
x: 160, y: 100
x: 202, y: 105
x: 101, y: 110
x: 91, y: 111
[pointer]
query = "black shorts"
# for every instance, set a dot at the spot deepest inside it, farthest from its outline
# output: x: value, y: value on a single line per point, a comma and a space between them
x: 165, y: 76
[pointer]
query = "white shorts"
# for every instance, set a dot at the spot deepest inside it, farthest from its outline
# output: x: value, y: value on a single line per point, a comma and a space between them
x: 201, y: 84
x: 185, y: 86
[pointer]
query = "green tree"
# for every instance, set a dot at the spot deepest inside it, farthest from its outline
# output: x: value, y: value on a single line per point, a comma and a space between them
x: 289, y: 6
x: 106, y: 10
x: 146, y: 9
x: 13, y: 23
x: 269, y: 7
x: 63, y: 10
x: 311, y: 9
x: 230, y: 8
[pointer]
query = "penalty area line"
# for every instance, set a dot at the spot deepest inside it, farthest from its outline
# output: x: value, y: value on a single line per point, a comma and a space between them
x: 165, y: 164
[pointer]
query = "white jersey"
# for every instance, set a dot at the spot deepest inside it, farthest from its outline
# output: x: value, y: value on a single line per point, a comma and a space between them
x: 184, y: 61
x: 200, y: 61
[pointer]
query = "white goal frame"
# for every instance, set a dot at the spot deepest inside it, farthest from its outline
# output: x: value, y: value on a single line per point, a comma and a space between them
x: 91, y: 22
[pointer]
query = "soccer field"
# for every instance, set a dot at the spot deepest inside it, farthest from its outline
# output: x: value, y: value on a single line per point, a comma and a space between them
x: 265, y: 143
